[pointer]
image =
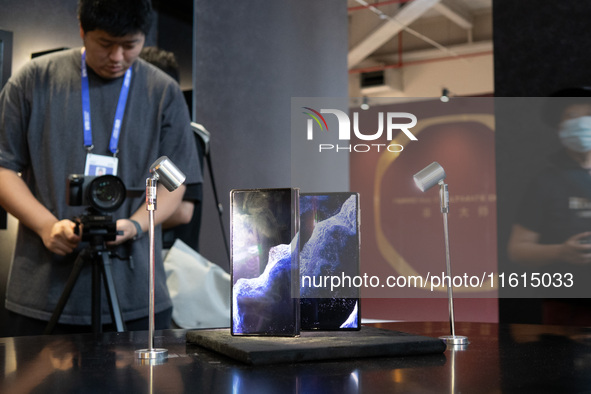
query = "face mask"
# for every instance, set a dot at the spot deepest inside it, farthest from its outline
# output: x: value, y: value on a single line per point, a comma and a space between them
x: 575, y: 134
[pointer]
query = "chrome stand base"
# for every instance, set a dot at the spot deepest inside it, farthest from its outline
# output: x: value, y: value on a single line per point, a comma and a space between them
x: 455, y: 339
x: 152, y: 354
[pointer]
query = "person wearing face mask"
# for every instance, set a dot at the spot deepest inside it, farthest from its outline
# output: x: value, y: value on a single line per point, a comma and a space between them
x: 552, y: 233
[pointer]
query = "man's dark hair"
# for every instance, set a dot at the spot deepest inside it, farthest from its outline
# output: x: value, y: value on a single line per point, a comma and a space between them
x: 162, y: 59
x: 116, y: 17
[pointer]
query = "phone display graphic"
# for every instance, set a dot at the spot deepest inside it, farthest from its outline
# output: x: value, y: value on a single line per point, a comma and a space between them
x: 329, y: 246
x: 264, y: 263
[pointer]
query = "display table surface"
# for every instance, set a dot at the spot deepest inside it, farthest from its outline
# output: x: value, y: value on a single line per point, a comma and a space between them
x: 499, y: 358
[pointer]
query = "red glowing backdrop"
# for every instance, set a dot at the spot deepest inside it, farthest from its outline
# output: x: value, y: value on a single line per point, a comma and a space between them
x: 402, y: 227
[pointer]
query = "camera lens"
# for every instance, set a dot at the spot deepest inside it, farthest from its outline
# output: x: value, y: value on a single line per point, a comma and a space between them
x: 106, y: 193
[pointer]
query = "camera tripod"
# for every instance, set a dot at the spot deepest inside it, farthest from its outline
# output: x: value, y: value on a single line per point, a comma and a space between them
x: 98, y: 256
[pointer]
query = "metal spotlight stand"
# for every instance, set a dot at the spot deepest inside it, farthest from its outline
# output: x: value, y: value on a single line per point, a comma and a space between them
x: 452, y: 339
x: 428, y: 177
x: 171, y: 177
x: 151, y: 353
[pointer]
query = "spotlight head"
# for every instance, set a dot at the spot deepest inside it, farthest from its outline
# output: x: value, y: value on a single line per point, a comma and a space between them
x: 167, y: 173
x: 429, y: 176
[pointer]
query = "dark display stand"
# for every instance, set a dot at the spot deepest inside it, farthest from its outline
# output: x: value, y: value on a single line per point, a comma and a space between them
x: 315, y: 345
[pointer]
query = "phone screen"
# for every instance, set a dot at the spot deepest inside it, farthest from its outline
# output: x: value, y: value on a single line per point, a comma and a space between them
x: 329, y: 246
x: 264, y: 262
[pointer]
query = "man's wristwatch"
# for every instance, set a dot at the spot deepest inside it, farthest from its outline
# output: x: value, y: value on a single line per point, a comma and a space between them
x: 138, y: 229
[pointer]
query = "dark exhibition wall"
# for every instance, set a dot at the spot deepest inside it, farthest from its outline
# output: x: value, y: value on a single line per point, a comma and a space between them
x: 251, y: 59
x: 539, y: 47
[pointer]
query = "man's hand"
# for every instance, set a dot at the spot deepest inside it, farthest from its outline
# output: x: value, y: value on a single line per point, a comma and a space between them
x: 575, y: 250
x: 15, y: 196
x: 60, y: 237
x: 127, y: 230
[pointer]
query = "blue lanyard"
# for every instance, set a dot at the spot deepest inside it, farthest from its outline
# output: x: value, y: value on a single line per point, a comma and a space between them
x: 118, y: 113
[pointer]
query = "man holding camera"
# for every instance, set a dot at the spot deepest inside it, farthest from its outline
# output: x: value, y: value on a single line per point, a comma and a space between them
x: 60, y: 115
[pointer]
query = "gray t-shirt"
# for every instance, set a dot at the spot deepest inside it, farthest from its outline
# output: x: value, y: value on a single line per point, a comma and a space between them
x: 41, y: 136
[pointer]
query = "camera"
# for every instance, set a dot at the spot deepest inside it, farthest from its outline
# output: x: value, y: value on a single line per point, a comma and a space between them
x: 101, y: 194
x: 104, y: 193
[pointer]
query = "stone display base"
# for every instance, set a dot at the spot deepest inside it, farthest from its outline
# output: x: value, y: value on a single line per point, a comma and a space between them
x: 315, y: 345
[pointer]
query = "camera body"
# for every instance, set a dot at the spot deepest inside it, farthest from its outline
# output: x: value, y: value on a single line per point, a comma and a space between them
x: 101, y: 194
x: 105, y: 193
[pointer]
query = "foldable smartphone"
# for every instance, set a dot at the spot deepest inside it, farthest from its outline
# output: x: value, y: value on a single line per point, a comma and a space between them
x: 329, y: 247
x: 264, y: 262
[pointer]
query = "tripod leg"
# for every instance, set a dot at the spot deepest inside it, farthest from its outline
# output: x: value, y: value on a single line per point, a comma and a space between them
x: 57, y: 312
x: 112, y: 293
x: 97, y: 324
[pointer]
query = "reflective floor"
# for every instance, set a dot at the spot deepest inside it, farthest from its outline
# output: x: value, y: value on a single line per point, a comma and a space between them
x: 499, y: 358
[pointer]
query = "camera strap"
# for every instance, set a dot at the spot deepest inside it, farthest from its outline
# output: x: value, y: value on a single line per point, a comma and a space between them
x: 86, y: 108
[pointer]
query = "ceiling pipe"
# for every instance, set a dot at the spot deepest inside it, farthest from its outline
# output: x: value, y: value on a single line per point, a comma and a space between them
x: 401, y: 64
x: 391, y: 27
x: 377, y: 4
x: 356, y: 54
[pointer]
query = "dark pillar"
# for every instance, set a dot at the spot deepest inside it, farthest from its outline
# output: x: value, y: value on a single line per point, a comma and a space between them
x: 251, y: 58
x: 539, y: 46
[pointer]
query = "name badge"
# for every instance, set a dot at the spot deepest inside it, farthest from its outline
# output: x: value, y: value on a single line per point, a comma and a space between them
x: 97, y: 165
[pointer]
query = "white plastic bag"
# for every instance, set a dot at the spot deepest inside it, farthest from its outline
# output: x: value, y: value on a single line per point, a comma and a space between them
x: 200, y: 289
